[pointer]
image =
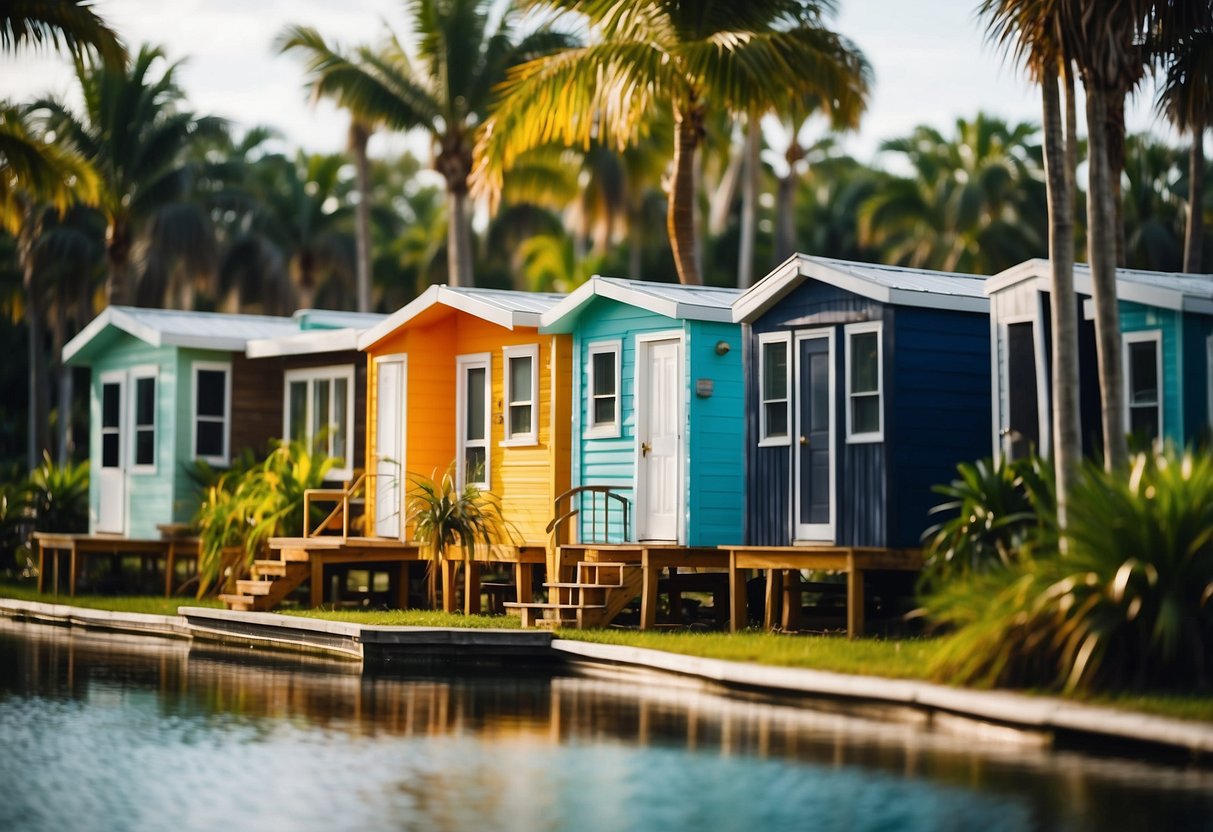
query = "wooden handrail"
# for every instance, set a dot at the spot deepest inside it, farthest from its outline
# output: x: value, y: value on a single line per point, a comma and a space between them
x: 342, y: 496
x: 609, y: 493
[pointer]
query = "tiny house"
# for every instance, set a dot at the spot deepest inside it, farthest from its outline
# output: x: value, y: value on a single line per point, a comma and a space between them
x: 865, y: 385
x: 657, y: 410
x: 1166, y: 325
x: 462, y: 377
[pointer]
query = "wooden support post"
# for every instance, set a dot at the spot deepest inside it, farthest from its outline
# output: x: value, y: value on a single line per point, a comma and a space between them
x: 792, y: 600
x: 522, y: 582
x: 72, y: 572
x: 854, y: 602
x: 41, y: 566
x: 317, y: 587
x: 169, y: 559
x: 737, y: 596
x: 471, y: 587
x: 774, y: 589
x: 675, y: 597
x: 403, y: 571
x: 448, y: 585
x: 648, y: 595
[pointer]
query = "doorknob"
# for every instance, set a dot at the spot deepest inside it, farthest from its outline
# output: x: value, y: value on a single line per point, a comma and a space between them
x: 645, y: 447
x: 804, y: 440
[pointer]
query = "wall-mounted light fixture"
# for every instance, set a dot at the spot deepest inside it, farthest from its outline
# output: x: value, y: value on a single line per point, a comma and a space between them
x: 722, y: 347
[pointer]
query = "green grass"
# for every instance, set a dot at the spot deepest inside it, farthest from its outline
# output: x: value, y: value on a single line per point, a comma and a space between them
x: 411, y: 618
x: 153, y: 604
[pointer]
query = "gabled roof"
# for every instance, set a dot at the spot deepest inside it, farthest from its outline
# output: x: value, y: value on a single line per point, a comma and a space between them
x: 886, y: 284
x: 317, y: 331
x: 506, y: 308
x: 1167, y: 290
x: 673, y: 300
x: 170, y: 327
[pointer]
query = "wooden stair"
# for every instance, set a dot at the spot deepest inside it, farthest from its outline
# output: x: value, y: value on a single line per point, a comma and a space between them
x: 599, y: 592
x: 272, y: 581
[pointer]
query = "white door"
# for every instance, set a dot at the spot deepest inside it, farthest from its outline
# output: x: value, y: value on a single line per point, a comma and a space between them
x: 813, y: 448
x: 390, y: 477
x: 111, y: 511
x: 659, y: 440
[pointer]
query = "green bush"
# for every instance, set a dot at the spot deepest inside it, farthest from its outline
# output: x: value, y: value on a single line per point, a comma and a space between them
x: 243, y: 508
x: 57, y: 496
x: 1127, y: 602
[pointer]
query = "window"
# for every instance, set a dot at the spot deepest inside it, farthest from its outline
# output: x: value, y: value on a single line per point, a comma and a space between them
x: 864, y: 378
x: 521, y: 394
x: 319, y: 410
x: 145, y: 421
x: 602, y: 404
x: 212, y: 411
x: 111, y: 423
x: 1143, y: 384
x: 774, y: 382
x: 473, y: 397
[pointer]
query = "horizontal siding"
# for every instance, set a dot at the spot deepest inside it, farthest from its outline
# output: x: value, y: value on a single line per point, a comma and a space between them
x: 1194, y: 370
x: 1136, y: 317
x: 716, y: 470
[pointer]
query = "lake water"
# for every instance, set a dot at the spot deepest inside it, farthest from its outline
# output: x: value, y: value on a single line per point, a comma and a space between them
x: 108, y: 732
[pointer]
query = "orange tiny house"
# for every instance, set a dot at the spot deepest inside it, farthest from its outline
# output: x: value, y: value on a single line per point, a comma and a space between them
x: 463, y: 376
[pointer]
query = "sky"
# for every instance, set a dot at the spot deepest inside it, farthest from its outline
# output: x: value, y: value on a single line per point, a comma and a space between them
x: 931, y: 60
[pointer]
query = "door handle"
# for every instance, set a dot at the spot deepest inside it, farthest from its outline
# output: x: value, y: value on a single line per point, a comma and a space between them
x: 804, y: 440
x: 645, y: 447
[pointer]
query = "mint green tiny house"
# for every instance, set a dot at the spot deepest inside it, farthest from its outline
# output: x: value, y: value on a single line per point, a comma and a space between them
x: 171, y: 388
x: 658, y: 410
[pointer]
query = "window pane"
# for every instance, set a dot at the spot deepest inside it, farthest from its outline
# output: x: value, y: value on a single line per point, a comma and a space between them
x: 210, y: 438
x: 1143, y: 422
x: 111, y: 407
x: 604, y: 410
x: 109, y: 450
x: 473, y: 465
x: 211, y: 392
x: 604, y: 374
x: 865, y: 414
x: 1143, y: 372
x: 520, y: 419
x: 520, y: 379
x: 320, y: 413
x: 145, y: 447
x: 777, y: 419
x: 475, y: 403
x: 341, y: 427
x: 863, y: 363
x: 145, y: 401
x: 774, y: 371
x: 296, y: 411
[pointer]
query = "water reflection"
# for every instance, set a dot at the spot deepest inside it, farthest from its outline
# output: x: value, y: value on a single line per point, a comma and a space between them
x: 105, y: 731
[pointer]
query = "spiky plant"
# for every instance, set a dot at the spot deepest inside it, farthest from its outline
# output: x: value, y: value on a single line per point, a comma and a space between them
x: 57, y: 496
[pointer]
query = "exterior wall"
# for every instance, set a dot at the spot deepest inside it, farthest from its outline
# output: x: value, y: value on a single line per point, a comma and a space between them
x: 860, y: 468
x: 1194, y: 372
x: 149, y: 495
x: 938, y: 409
x: 526, y: 479
x: 1136, y: 317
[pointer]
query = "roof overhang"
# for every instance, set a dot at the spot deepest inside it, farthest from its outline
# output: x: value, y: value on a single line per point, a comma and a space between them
x: 445, y: 296
x: 798, y: 268
x: 1039, y: 273
x: 562, y: 317
x: 79, y: 350
x: 304, y: 343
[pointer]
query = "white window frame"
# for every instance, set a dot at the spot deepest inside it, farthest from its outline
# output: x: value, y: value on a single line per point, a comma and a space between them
x: 463, y: 363
x: 859, y: 329
x: 614, y: 428
x: 225, y: 367
x: 508, y: 354
x: 309, y: 376
x: 785, y: 338
x: 138, y: 374
x: 1144, y: 336
x: 118, y: 377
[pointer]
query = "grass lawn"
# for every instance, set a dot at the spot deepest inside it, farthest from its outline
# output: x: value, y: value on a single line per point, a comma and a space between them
x: 154, y: 604
x: 411, y: 618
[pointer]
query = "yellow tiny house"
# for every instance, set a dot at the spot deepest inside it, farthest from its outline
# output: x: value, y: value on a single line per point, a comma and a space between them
x: 462, y: 376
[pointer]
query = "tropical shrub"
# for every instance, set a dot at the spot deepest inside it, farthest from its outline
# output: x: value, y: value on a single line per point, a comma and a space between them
x: 1127, y: 602
x: 13, y: 522
x: 996, y: 509
x: 57, y: 496
x: 243, y: 508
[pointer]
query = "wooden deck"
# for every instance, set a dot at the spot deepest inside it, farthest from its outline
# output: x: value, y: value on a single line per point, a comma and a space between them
x: 783, y: 564
x: 52, y: 546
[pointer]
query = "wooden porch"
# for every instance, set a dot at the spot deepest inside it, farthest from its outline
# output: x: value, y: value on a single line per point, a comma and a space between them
x: 162, y: 554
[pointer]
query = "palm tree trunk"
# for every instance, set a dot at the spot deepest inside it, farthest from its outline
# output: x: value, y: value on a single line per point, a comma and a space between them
x: 723, y: 196
x: 1115, y: 137
x: 359, y: 136
x: 1101, y: 253
x: 636, y: 237
x: 680, y: 216
x: 119, y: 285
x: 1194, y: 232
x: 39, y: 395
x: 458, y: 238
x: 749, y: 204
x: 785, y: 217
x: 1067, y: 434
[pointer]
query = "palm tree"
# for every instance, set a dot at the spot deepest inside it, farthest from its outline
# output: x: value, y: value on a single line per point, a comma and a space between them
x: 64, y: 25
x: 444, y: 89
x: 1187, y: 100
x: 132, y: 133
x: 1153, y: 205
x: 685, y: 57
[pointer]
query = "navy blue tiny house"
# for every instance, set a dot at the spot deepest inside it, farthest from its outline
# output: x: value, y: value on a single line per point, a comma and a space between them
x: 865, y: 386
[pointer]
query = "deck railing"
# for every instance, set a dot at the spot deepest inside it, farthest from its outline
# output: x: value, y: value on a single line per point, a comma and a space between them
x: 343, y: 498
x: 604, y: 494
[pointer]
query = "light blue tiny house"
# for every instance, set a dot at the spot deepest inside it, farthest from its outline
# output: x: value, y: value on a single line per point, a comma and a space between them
x: 1166, y: 322
x: 657, y: 411
x: 172, y: 388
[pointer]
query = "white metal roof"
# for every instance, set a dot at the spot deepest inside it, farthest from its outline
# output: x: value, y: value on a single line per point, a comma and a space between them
x: 504, y: 307
x: 317, y: 331
x: 886, y: 284
x: 336, y: 319
x: 171, y: 327
x: 1167, y: 290
x: 673, y: 300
